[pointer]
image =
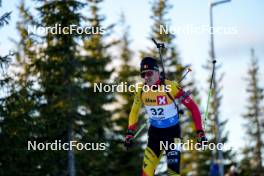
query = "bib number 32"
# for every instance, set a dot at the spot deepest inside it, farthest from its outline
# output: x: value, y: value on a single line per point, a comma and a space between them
x: 158, y: 111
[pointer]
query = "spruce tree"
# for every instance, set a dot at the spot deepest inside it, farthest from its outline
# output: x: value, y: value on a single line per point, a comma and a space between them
x: 47, y: 90
x: 4, y: 20
x: 128, y: 74
x: 58, y: 67
x: 15, y: 124
x: 252, y: 159
x: 172, y: 63
x: 97, y: 126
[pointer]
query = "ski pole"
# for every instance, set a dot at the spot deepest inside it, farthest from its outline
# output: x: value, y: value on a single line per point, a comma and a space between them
x: 140, y: 129
x: 189, y: 70
x: 160, y: 46
x: 210, y: 90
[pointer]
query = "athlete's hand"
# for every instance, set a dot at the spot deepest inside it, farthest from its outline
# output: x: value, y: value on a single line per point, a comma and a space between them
x: 201, y: 138
x: 129, y: 140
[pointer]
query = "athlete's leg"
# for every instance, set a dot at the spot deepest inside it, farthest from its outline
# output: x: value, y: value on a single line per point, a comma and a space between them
x: 150, y: 162
x: 174, y: 153
x: 173, y: 161
x: 152, y: 154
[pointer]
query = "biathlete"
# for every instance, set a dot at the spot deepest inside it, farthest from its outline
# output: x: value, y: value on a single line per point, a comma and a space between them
x: 162, y: 108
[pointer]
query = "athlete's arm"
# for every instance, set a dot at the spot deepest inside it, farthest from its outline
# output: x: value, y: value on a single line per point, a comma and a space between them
x: 133, y: 116
x: 193, y: 108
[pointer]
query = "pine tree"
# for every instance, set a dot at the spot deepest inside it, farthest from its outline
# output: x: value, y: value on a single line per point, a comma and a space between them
x: 97, y: 122
x: 14, y: 123
x: 246, y: 162
x: 47, y: 90
x: 59, y: 68
x: 172, y: 63
x: 126, y: 73
x: 55, y: 89
x: 252, y: 161
x: 4, y: 19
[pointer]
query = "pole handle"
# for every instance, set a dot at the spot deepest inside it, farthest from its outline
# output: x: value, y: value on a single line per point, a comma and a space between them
x: 158, y: 45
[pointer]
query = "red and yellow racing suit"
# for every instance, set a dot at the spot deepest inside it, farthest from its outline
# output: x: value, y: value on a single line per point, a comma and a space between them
x: 164, y: 123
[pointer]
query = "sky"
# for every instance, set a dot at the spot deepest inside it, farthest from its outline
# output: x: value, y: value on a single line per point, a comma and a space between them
x: 232, y: 49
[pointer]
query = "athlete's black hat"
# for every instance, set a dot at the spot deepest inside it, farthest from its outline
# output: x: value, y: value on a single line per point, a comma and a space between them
x: 149, y: 63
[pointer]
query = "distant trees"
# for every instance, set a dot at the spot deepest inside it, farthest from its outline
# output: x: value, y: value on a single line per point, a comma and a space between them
x: 252, y: 161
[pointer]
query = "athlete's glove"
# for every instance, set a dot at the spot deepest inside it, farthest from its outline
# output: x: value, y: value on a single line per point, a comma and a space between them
x: 129, y: 140
x: 201, y: 138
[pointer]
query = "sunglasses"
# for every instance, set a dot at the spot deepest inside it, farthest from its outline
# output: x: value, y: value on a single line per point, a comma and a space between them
x: 148, y: 74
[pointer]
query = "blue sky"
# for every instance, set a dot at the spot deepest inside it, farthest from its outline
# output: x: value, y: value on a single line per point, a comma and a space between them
x: 232, y: 51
